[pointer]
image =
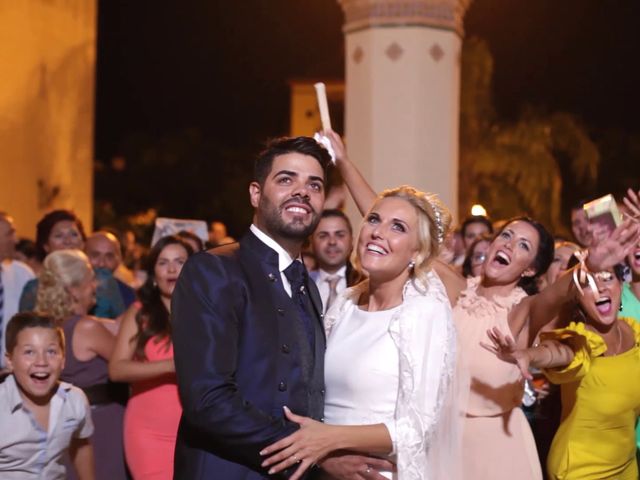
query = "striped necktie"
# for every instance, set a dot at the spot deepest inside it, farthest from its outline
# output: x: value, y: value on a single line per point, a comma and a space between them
x: 332, y: 280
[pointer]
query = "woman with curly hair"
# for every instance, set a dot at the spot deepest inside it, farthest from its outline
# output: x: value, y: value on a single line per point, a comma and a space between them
x: 144, y: 357
x: 67, y: 291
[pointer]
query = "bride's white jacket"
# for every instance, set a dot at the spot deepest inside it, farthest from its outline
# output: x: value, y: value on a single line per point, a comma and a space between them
x: 423, y: 331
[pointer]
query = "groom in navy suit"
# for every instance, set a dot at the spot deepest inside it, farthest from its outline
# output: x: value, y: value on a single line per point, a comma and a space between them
x: 247, y: 325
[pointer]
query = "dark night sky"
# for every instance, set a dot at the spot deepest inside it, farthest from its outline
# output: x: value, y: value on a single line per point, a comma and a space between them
x: 222, y: 67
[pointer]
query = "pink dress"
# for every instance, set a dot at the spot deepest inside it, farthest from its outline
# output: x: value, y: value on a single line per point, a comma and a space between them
x: 151, y: 420
x: 497, y: 440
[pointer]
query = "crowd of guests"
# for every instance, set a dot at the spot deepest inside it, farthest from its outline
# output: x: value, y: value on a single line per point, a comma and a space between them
x: 514, y: 311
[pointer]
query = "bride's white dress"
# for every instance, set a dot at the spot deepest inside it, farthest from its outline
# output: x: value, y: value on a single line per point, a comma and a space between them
x: 396, y: 367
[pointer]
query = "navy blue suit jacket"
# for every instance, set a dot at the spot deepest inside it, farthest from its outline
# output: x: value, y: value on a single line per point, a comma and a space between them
x: 241, y: 354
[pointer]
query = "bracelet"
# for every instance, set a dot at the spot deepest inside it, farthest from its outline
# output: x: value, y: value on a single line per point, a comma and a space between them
x: 546, y: 347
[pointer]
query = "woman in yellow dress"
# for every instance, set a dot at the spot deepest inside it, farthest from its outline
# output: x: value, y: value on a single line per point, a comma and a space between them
x: 596, y: 359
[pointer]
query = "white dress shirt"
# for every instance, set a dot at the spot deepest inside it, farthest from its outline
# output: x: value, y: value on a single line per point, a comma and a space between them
x: 284, y: 259
x: 15, y: 275
x: 28, y: 452
x: 323, y: 285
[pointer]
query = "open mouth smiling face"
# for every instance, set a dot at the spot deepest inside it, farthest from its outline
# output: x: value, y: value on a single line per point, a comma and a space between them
x: 388, y: 238
x: 36, y: 362
x: 633, y: 259
x: 512, y: 252
x: 602, y: 305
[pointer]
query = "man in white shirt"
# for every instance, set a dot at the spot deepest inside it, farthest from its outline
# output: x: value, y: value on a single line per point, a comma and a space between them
x: 332, y: 243
x: 13, y: 276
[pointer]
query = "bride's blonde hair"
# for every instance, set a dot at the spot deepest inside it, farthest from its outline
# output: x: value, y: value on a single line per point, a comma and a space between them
x: 434, y: 223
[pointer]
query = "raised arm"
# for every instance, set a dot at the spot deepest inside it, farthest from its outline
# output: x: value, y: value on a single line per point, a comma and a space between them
x: 122, y: 366
x: 360, y: 190
x: 536, y: 311
x: 547, y: 354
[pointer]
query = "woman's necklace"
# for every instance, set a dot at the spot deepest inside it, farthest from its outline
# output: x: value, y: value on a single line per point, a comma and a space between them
x: 619, y: 330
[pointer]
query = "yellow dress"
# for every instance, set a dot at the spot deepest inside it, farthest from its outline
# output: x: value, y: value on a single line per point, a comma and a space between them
x: 601, y: 402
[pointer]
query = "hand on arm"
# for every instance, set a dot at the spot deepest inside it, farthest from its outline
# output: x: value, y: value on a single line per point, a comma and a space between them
x: 81, y: 453
x: 548, y: 354
x: 122, y: 366
x: 315, y: 440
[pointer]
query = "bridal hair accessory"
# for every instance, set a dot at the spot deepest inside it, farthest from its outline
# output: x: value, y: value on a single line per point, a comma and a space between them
x: 581, y: 274
x: 438, y: 216
x: 326, y: 143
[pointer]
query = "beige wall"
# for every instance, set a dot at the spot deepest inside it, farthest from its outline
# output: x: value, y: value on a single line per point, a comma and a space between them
x: 47, y: 69
x: 402, y: 107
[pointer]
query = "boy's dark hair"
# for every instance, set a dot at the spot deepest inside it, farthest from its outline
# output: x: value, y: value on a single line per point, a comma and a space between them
x: 22, y: 321
x: 284, y: 145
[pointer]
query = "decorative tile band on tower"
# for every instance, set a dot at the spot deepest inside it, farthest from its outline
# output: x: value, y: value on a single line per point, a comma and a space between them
x: 445, y: 14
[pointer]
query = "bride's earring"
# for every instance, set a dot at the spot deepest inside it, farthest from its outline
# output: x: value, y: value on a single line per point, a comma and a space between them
x: 412, y: 264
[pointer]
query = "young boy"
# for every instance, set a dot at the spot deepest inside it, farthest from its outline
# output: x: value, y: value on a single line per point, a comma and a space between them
x: 41, y: 417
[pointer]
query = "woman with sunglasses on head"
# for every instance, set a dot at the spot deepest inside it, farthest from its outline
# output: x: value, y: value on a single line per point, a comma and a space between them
x: 594, y: 360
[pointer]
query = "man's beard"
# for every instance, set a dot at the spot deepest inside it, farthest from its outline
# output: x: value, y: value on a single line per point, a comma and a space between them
x: 296, y: 229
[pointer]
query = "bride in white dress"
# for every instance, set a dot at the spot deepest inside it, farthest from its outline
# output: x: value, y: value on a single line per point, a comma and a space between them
x: 391, y: 352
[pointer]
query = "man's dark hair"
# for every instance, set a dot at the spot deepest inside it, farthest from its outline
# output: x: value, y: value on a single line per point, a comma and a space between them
x: 187, y: 235
x: 284, y: 145
x: 46, y: 224
x: 22, y: 321
x: 475, y: 219
x: 334, y: 212
x: 577, y: 205
x: 27, y: 247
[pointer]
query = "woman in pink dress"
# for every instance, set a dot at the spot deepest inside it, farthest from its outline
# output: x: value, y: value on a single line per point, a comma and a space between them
x: 143, y: 356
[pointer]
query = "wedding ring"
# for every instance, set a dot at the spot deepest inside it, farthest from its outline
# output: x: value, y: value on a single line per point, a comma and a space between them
x: 295, y: 458
x: 368, y: 470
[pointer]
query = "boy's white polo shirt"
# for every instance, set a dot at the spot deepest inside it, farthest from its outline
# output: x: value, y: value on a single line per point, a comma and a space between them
x: 26, y: 450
